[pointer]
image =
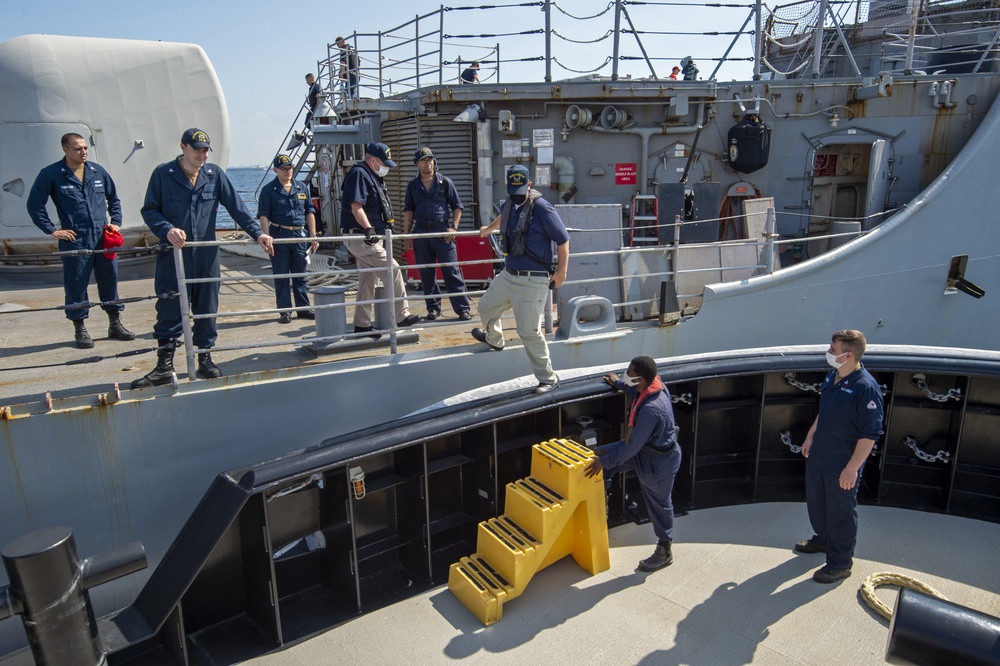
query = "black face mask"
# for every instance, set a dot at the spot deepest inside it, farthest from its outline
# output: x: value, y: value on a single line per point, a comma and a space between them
x: 518, y: 199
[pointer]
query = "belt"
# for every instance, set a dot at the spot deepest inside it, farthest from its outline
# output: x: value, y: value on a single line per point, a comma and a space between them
x: 282, y: 226
x: 653, y: 449
x: 543, y: 274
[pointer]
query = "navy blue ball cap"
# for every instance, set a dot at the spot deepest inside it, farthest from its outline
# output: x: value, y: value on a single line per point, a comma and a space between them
x: 196, y: 138
x: 421, y: 154
x: 517, y: 179
x: 381, y: 151
x: 282, y: 161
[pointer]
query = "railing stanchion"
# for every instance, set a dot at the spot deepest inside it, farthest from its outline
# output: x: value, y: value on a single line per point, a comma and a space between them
x: 185, y: 312
x: 390, y: 287
x: 770, y: 235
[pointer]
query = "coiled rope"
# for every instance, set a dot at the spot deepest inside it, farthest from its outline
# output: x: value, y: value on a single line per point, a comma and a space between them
x: 888, y: 578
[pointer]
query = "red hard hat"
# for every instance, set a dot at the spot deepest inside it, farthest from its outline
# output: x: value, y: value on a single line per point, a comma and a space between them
x: 112, y: 239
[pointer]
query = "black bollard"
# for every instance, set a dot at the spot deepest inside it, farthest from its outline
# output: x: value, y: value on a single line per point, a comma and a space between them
x: 48, y: 584
x: 927, y: 631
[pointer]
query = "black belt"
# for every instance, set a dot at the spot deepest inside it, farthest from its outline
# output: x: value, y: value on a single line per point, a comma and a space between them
x: 282, y: 226
x: 543, y: 274
x: 650, y: 447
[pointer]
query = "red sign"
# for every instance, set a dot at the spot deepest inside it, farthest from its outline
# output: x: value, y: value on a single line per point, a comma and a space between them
x: 825, y: 165
x: 625, y: 173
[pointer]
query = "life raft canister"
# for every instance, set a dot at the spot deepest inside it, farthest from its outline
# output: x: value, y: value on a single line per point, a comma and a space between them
x: 749, y: 144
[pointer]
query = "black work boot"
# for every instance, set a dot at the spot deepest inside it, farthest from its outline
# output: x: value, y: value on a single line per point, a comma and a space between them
x: 163, y: 373
x: 206, y: 368
x: 83, y: 339
x: 661, y: 557
x: 115, y: 329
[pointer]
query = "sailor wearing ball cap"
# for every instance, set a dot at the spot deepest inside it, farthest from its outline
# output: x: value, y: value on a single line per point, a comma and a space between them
x: 433, y: 206
x: 365, y: 210
x: 528, y: 225
x: 285, y: 210
x: 182, y: 202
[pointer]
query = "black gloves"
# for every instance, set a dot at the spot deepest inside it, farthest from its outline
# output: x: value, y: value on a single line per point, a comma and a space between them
x: 370, y: 237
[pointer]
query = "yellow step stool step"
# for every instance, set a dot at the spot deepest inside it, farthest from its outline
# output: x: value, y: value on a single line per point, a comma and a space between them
x: 479, y: 588
x: 557, y: 511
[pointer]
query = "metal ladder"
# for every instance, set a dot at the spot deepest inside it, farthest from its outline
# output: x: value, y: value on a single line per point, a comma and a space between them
x: 647, y: 223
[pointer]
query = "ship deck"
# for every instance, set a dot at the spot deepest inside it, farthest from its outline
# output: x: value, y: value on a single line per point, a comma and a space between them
x: 34, y: 346
x: 736, y: 594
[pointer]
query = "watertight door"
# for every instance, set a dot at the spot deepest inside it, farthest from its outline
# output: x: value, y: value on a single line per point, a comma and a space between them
x: 878, y: 183
x: 26, y: 148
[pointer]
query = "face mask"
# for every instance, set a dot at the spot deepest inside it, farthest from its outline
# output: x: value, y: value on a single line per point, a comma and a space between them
x: 518, y: 199
x: 832, y: 360
x: 631, y: 381
x: 383, y: 171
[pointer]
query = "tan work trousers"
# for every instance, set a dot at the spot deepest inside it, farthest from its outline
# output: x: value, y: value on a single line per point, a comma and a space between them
x: 526, y: 297
x: 374, y: 256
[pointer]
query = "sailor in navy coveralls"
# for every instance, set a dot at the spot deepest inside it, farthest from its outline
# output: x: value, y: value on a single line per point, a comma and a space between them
x: 649, y: 449
x: 84, y: 195
x: 836, y: 448
x: 433, y: 206
x: 182, y: 202
x: 286, y: 211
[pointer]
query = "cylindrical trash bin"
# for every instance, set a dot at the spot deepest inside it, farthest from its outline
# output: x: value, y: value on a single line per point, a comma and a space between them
x: 844, y: 227
x: 329, y: 321
x: 384, y: 311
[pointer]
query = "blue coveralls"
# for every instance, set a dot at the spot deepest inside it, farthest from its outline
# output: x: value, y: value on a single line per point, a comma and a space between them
x: 172, y: 202
x: 432, y: 213
x: 313, y: 100
x: 83, y: 208
x: 284, y: 210
x: 651, y: 450
x: 849, y: 410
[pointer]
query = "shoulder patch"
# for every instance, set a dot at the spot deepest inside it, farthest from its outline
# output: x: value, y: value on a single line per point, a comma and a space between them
x: 872, y: 405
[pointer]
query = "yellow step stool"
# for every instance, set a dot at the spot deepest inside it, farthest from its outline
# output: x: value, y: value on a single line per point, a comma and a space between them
x: 555, y: 512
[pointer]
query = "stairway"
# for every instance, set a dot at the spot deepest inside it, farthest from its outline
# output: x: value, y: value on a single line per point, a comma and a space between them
x: 555, y: 512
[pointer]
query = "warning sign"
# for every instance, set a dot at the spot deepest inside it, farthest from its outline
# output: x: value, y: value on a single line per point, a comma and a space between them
x: 625, y: 173
x: 825, y: 165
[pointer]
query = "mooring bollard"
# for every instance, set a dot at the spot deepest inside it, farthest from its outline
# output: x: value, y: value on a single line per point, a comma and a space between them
x: 925, y: 630
x: 48, y: 589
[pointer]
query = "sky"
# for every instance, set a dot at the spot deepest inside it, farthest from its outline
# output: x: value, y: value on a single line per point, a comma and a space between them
x: 262, y: 50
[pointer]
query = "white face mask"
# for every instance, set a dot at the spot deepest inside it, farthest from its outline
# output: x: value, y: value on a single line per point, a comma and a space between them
x: 383, y: 171
x: 832, y: 360
x: 631, y: 381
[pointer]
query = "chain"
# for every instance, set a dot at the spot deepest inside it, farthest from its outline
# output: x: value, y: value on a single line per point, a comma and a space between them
x: 786, y: 439
x: 790, y: 378
x: 684, y: 397
x: 913, y: 442
x: 920, y: 381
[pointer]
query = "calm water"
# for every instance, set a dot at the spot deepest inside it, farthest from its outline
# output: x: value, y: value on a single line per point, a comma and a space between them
x: 246, y: 181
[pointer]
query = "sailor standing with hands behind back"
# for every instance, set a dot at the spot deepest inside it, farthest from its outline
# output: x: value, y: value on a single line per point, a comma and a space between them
x: 286, y: 211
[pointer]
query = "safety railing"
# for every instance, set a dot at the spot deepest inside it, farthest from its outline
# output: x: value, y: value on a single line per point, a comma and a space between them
x: 663, y: 267
x: 769, y: 242
x: 422, y: 51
